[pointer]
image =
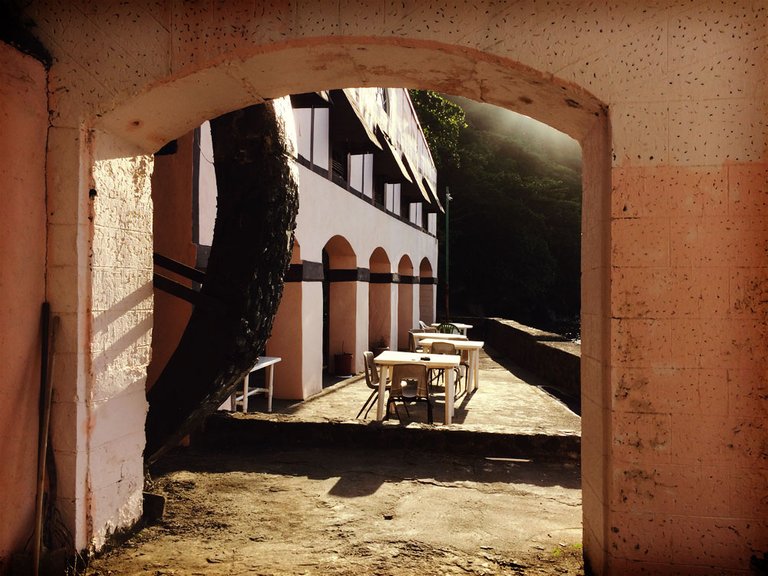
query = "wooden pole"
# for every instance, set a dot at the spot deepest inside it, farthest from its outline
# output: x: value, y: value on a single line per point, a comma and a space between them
x: 448, y: 199
x: 49, y: 328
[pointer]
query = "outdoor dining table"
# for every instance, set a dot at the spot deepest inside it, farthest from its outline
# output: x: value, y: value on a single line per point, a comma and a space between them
x: 471, y: 346
x: 461, y: 326
x: 389, y: 358
x: 419, y: 336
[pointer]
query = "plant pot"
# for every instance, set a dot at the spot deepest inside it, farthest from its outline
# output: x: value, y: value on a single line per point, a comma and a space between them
x: 342, y: 364
x: 378, y: 350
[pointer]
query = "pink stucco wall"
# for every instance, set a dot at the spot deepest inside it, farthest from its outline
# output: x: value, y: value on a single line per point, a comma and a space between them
x: 172, y: 225
x: 23, y: 125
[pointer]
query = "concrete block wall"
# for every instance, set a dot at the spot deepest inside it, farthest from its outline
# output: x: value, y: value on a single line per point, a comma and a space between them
x: 688, y: 247
x: 550, y: 357
x: 121, y: 324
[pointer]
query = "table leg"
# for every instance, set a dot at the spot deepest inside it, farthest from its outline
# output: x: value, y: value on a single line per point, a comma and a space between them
x: 384, y: 376
x: 449, y: 392
x: 233, y: 401
x: 246, y: 385
x: 270, y: 380
x: 469, y: 374
x: 476, y: 370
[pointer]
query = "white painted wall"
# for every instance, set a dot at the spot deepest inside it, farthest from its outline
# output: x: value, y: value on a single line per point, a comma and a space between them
x: 121, y: 324
x: 207, y: 187
x: 400, y: 123
x: 326, y: 210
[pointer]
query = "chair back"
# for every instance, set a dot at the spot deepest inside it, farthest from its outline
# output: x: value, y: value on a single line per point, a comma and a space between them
x: 409, y: 373
x: 448, y: 328
x: 371, y: 370
x: 443, y: 348
x: 423, y: 325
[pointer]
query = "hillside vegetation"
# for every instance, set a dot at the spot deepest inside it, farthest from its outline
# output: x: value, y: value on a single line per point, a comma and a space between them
x: 515, y: 213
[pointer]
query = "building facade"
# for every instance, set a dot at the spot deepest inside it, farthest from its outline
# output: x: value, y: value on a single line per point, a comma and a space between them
x: 365, y: 242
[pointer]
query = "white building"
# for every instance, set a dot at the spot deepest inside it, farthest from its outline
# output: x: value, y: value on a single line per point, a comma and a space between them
x: 363, y: 269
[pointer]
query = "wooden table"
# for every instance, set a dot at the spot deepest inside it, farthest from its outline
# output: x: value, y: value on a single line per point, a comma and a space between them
x: 390, y: 358
x: 471, y: 346
x: 264, y: 362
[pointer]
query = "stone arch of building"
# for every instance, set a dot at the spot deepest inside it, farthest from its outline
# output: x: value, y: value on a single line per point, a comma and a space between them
x: 380, y: 297
x: 296, y: 252
x: 406, y: 309
x: 340, y: 303
x: 289, y: 339
x: 427, y: 291
x: 167, y: 107
x: 173, y: 105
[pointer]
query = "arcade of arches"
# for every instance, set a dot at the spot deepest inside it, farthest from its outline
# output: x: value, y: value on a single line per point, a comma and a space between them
x: 361, y: 308
x: 669, y: 102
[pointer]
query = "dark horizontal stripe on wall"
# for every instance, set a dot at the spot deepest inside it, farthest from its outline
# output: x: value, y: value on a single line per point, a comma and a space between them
x: 352, y: 275
x: 305, y: 272
x: 313, y: 271
x: 383, y: 278
x: 295, y: 273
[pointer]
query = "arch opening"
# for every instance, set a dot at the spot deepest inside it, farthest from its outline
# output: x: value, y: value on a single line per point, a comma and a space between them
x: 339, y: 306
x: 380, y: 301
x: 426, y: 292
x: 405, y: 306
x: 151, y: 119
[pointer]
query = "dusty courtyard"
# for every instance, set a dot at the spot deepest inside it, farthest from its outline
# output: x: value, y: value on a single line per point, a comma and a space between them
x: 345, y: 512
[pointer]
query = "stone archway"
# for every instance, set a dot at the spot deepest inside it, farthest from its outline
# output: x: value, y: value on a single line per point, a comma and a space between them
x: 380, y: 299
x: 427, y: 292
x: 405, y: 298
x: 339, y: 306
x: 155, y: 116
x: 144, y: 122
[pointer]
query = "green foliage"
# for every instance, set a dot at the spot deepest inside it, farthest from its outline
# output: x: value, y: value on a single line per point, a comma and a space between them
x: 442, y: 122
x: 515, y: 217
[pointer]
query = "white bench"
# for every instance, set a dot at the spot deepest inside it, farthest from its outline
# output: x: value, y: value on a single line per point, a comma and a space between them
x: 267, y: 362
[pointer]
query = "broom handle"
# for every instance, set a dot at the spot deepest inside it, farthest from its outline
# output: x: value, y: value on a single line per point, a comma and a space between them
x: 49, y: 336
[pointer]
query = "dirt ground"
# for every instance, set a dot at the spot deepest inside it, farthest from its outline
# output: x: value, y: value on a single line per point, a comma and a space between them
x: 351, y: 512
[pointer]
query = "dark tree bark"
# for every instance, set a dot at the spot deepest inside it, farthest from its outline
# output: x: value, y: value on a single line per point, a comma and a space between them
x: 253, y: 238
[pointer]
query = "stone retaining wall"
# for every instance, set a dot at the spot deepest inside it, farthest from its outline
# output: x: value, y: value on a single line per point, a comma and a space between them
x: 551, y: 357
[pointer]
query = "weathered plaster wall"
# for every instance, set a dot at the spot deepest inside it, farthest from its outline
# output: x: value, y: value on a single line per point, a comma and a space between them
x: 687, y: 404
x: 669, y: 102
x: 596, y: 437
x: 121, y: 324
x: 23, y: 124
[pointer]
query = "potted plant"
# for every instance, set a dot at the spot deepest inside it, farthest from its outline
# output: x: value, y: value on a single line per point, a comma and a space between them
x: 342, y: 363
x: 379, y: 346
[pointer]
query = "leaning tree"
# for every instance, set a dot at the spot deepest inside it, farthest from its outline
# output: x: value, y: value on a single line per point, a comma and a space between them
x: 258, y: 201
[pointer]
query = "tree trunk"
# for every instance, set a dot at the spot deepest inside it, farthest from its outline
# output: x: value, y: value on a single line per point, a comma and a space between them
x: 253, y: 237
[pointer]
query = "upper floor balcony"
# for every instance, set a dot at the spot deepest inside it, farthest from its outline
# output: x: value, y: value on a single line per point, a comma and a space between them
x: 369, y: 142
